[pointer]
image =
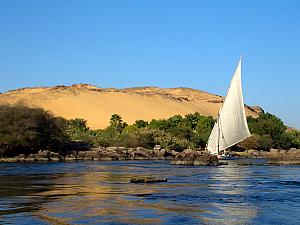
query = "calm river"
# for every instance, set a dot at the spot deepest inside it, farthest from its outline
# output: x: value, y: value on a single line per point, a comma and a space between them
x: 100, y: 193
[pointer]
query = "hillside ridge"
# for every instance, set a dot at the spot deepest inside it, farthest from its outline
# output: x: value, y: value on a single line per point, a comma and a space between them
x: 96, y: 104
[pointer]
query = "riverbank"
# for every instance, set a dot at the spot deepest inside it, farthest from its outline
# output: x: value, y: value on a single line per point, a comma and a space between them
x: 186, y: 157
x: 274, y: 156
x: 100, y: 154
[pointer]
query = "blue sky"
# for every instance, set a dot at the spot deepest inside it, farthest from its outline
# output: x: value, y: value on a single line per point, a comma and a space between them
x: 165, y: 43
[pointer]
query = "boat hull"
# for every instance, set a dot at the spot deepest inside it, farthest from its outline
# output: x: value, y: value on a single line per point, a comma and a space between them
x: 225, y: 157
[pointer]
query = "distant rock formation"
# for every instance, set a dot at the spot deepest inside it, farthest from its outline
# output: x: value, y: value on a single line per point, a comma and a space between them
x: 96, y: 105
x: 257, y: 109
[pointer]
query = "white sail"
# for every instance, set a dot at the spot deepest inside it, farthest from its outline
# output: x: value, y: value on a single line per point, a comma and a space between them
x: 231, y: 126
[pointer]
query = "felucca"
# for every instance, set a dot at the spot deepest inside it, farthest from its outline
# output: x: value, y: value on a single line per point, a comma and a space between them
x: 231, y: 124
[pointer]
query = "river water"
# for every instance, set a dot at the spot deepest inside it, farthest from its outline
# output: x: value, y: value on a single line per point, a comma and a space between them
x: 100, y: 193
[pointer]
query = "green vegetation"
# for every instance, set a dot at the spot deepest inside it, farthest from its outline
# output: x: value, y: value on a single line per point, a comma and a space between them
x: 268, y: 131
x: 26, y: 130
x: 190, y: 131
x: 175, y: 133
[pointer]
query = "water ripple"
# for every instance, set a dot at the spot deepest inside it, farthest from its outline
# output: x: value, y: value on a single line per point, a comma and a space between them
x: 100, y: 192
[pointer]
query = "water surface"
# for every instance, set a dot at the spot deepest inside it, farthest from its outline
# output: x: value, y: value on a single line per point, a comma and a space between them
x: 100, y: 192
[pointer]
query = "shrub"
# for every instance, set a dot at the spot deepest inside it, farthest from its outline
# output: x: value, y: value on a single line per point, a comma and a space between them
x: 141, y: 123
x: 295, y: 138
x: 142, y: 138
x: 251, y: 142
x: 265, y: 142
x: 24, y: 129
x: 168, y: 141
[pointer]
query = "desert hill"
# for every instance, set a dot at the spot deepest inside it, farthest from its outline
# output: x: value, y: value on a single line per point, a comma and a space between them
x: 96, y: 105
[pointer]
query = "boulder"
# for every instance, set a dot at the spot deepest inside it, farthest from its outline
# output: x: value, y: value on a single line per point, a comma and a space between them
x: 70, y: 157
x: 130, y: 151
x: 159, y: 153
x: 274, y: 151
x: 174, y: 153
x: 188, y: 151
x: 53, y: 156
x: 121, y: 150
x: 92, y: 155
x: 42, y: 155
x: 30, y: 158
x: 150, y: 179
x: 263, y: 153
x: 21, y: 157
x: 169, y: 154
x: 282, y: 152
x: 9, y: 159
x: 142, y: 153
x: 108, y: 156
x: 81, y: 155
x: 195, y: 158
x: 253, y: 153
x: 111, y: 149
x: 284, y: 157
x: 294, y: 153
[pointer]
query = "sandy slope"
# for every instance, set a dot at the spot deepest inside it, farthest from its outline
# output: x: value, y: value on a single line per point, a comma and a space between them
x: 96, y: 105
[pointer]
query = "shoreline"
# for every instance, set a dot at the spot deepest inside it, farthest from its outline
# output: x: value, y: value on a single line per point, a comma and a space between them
x: 186, y: 157
x: 96, y: 154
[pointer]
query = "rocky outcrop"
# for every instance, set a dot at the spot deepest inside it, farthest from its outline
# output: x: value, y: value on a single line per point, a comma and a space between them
x: 100, y: 153
x: 148, y: 179
x: 187, y: 157
x: 191, y: 157
x: 276, y: 156
x: 284, y: 157
x: 40, y: 156
x: 257, y: 109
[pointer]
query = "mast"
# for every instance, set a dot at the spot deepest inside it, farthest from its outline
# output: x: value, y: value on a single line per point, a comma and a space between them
x: 218, y: 121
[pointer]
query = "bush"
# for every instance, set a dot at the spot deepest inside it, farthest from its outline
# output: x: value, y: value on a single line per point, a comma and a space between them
x: 273, y: 133
x: 265, y: 142
x: 295, y: 138
x: 268, y: 124
x: 168, y: 141
x: 25, y: 130
x: 251, y: 142
x: 142, y: 138
x: 141, y: 123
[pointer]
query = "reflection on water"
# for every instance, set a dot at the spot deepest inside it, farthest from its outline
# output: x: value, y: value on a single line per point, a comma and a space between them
x: 229, y: 183
x: 100, y: 192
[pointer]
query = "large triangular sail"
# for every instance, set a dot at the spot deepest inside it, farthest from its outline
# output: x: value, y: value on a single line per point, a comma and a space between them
x: 231, y: 125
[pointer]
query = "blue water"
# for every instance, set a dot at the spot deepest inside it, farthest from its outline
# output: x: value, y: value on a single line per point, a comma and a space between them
x: 100, y: 193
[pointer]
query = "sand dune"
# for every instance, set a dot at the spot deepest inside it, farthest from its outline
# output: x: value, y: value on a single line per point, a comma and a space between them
x: 96, y: 105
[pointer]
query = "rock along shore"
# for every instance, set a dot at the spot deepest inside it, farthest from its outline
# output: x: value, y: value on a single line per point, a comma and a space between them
x: 187, y: 157
x: 100, y: 153
x: 191, y: 157
x: 276, y: 156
